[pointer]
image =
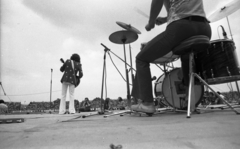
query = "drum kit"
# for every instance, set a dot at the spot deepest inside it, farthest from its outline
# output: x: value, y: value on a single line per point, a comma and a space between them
x: 218, y: 64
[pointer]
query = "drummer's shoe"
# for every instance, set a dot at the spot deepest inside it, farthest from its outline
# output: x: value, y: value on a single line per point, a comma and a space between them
x: 144, y: 107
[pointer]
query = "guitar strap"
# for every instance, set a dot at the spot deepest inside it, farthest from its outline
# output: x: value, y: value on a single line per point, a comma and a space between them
x: 74, y: 72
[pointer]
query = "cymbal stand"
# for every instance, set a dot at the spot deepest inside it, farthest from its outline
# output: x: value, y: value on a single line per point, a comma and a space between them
x: 233, y: 40
x: 130, y: 53
x: 127, y: 79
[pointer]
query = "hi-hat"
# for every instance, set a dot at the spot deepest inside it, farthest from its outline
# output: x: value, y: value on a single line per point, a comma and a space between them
x: 225, y: 11
x: 123, y: 37
x: 128, y: 27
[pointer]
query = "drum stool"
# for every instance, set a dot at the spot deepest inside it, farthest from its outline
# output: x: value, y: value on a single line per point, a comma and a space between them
x: 192, y: 46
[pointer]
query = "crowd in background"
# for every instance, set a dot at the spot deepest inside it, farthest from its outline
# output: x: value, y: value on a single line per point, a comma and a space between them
x: 108, y: 104
x: 84, y: 106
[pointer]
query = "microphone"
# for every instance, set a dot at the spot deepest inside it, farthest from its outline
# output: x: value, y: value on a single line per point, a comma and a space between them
x: 224, y: 33
x: 106, y: 48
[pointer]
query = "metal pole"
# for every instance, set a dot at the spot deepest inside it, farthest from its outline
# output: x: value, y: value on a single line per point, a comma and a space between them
x: 51, y: 90
x: 102, y: 110
x: 127, y: 79
x: 232, y: 39
x: 229, y: 28
x: 130, y: 52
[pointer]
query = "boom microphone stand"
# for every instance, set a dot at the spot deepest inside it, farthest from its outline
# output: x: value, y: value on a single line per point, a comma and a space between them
x: 103, y: 78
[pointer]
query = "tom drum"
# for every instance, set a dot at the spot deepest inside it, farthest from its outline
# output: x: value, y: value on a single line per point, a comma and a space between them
x: 218, y: 64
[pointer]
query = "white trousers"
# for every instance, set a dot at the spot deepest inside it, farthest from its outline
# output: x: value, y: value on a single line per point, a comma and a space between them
x: 62, y: 108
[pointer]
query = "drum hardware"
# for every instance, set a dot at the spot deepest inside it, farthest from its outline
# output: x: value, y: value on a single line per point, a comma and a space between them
x: 102, y: 111
x: 191, y: 90
x: 212, y: 73
x: 199, y: 44
x: 124, y: 37
x: 176, y: 93
x: 128, y: 27
x: 223, y: 12
x: 229, y: 73
x: 218, y: 66
x: 216, y: 94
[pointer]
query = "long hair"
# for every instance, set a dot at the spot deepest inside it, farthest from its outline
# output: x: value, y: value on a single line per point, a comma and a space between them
x: 75, y: 57
x: 2, y: 101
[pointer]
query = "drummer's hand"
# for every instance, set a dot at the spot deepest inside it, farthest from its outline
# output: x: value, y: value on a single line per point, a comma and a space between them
x: 161, y: 20
x: 150, y: 26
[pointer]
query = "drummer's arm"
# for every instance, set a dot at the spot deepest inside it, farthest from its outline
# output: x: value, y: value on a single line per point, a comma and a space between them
x: 156, y: 7
x: 166, y: 5
x: 162, y: 20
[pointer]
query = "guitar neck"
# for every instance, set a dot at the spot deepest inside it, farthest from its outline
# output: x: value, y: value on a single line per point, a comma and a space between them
x: 62, y: 60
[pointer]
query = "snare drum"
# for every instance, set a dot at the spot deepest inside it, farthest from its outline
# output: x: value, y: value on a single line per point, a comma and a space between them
x: 162, y: 88
x: 169, y: 57
x: 218, y: 64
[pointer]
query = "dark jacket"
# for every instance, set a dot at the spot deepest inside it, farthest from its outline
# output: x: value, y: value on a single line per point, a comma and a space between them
x: 68, y: 75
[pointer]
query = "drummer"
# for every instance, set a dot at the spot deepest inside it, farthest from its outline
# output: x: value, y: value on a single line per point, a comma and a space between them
x: 185, y: 18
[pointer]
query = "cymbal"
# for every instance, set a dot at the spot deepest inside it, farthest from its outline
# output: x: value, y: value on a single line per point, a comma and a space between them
x: 123, y: 37
x: 225, y: 11
x: 128, y: 27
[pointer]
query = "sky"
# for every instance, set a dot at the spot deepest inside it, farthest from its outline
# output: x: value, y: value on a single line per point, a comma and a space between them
x: 35, y: 34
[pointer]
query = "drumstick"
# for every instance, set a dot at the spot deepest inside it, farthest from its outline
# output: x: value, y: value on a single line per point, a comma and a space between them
x: 141, y: 12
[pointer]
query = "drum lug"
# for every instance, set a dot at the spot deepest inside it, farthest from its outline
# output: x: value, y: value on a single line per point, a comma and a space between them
x: 222, y: 46
x: 212, y: 73
x: 229, y: 73
x: 207, y: 51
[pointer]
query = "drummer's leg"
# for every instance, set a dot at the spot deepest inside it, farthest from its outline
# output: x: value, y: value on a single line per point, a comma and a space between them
x: 156, y: 48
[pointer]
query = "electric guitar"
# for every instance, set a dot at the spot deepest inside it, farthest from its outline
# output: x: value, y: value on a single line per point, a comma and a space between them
x: 77, y: 77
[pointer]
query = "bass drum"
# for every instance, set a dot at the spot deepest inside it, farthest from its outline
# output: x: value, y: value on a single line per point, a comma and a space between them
x: 162, y: 88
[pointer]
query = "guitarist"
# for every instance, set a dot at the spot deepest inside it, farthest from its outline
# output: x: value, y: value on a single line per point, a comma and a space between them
x: 72, y: 72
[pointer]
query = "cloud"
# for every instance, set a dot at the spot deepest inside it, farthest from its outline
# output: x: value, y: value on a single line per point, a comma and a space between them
x: 88, y: 18
x: 60, y: 13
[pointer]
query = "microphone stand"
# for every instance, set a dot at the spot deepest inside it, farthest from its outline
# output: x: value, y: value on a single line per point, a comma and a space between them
x: 127, y: 79
x: 103, y: 78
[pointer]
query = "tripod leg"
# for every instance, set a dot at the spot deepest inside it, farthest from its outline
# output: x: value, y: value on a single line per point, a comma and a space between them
x: 216, y: 93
